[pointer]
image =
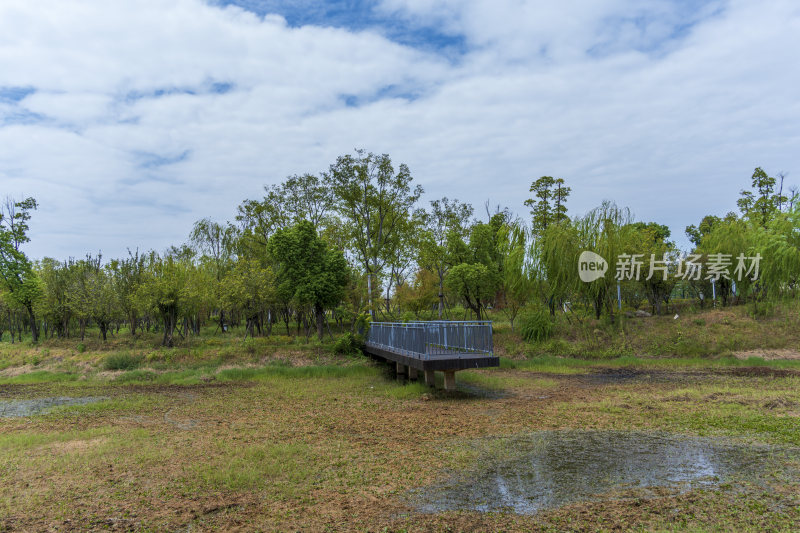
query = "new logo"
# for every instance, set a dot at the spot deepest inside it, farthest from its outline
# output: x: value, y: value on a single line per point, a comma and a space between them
x: 591, y: 266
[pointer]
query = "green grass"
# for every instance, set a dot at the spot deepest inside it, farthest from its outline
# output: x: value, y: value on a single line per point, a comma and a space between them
x: 488, y: 380
x: 408, y: 391
x: 122, y: 361
x: 568, y: 365
x: 39, y: 376
x: 280, y: 468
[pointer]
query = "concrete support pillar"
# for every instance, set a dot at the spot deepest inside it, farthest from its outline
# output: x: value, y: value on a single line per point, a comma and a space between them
x: 401, y: 369
x: 450, y: 380
x: 430, y: 378
x: 412, y: 373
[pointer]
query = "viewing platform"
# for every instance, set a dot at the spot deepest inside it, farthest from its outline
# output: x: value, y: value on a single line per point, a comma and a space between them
x: 446, y: 346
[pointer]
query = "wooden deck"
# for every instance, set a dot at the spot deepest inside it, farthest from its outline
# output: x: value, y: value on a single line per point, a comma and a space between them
x: 435, y: 362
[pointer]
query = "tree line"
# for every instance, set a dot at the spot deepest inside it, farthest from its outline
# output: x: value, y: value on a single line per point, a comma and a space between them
x: 354, y: 240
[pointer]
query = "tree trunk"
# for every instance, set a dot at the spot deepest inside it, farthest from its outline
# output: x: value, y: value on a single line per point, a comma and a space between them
x: 34, y: 329
x: 320, y: 312
x: 170, y: 319
x: 369, y: 293
x: 441, y: 296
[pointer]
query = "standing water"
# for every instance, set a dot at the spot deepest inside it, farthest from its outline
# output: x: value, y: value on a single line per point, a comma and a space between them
x: 17, y: 408
x: 548, y: 469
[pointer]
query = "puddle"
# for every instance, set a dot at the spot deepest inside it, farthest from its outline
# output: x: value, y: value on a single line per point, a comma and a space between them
x: 548, y: 469
x: 18, y: 408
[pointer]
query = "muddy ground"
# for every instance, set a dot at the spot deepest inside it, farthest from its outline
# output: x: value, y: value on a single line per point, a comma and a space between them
x: 343, y: 452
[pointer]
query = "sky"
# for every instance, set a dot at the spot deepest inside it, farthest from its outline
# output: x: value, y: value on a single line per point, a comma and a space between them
x: 128, y: 121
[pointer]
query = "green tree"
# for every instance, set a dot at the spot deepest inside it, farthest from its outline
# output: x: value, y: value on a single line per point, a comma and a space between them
x: 162, y: 290
x: 16, y: 270
x: 659, y: 256
x: 518, y: 281
x: 549, y: 202
x: 216, y: 243
x: 762, y: 202
x: 474, y: 283
x: 447, y: 219
x: 375, y: 201
x: 248, y: 289
x: 128, y: 274
x: 308, y: 270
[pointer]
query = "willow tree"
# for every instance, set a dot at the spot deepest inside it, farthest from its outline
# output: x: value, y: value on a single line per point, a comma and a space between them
x: 554, y: 262
x: 728, y: 240
x: 518, y: 279
x: 607, y: 231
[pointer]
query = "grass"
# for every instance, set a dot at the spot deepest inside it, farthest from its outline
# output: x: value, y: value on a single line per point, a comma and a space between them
x: 276, y: 434
x: 337, y: 447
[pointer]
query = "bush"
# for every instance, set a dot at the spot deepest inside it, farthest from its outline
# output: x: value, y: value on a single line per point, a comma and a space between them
x: 362, y: 323
x: 535, y: 325
x: 122, y: 361
x: 348, y: 344
x: 408, y: 316
x: 81, y: 348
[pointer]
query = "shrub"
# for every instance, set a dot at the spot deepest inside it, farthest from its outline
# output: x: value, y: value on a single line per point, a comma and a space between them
x: 81, y: 347
x: 408, y: 316
x: 535, y: 325
x: 122, y: 361
x: 348, y: 344
x: 362, y: 323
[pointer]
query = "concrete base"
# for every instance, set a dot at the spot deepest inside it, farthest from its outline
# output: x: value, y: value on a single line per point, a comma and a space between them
x: 412, y: 373
x: 401, y: 369
x: 450, y: 380
x: 430, y: 378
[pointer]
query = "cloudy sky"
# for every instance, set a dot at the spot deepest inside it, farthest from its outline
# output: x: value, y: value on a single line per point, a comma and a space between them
x: 129, y: 120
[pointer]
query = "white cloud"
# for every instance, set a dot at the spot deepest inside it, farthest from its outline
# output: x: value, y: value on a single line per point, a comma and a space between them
x: 147, y: 116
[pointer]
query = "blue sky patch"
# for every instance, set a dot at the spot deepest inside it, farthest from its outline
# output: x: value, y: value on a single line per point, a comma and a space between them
x: 149, y: 160
x: 356, y: 15
x: 15, y: 94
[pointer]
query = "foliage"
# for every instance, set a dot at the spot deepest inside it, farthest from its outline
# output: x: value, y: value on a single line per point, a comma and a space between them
x: 122, y: 361
x: 549, y: 203
x: 348, y: 344
x: 535, y: 325
x: 309, y: 274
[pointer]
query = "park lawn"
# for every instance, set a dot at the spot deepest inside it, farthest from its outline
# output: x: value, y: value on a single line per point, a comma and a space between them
x: 338, y: 446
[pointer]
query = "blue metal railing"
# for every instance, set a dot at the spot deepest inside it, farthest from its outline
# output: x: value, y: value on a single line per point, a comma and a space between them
x: 425, y: 340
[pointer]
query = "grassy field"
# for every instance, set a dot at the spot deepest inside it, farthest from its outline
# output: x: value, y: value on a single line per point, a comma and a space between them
x: 276, y: 434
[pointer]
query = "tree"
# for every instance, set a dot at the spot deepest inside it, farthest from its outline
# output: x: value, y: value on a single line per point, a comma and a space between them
x: 762, y: 202
x: 447, y: 219
x: 102, y: 299
x: 56, y: 278
x: 216, y: 243
x: 516, y: 282
x: 606, y: 230
x: 128, y: 274
x: 549, y: 202
x: 475, y: 283
x: 652, y: 241
x: 476, y: 276
x: 309, y: 197
x: 248, y: 288
x: 308, y: 270
x: 162, y: 291
x: 16, y: 271
x: 375, y: 201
